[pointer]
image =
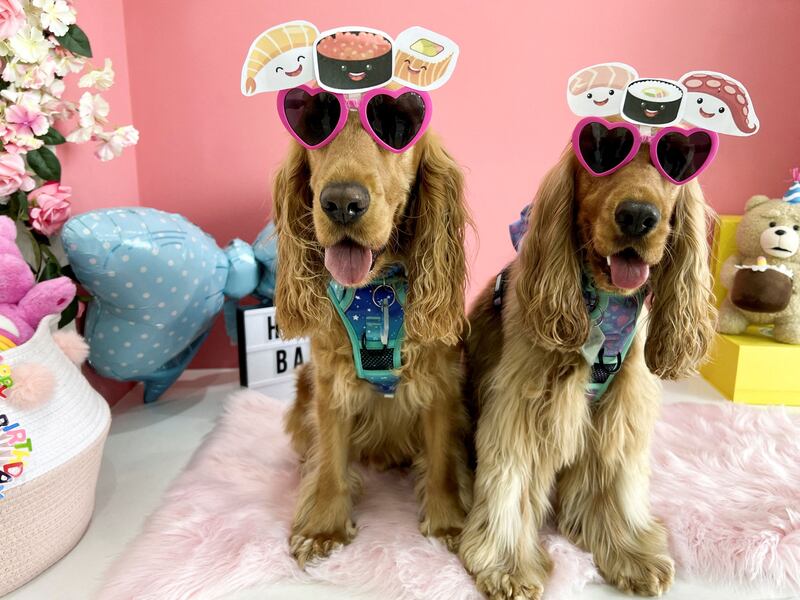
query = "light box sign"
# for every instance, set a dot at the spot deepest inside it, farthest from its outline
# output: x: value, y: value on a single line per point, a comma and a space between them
x: 267, y: 363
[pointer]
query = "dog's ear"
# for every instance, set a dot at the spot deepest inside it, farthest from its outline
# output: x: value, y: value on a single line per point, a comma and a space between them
x: 435, y: 223
x: 299, y: 285
x: 682, y: 318
x: 548, y: 282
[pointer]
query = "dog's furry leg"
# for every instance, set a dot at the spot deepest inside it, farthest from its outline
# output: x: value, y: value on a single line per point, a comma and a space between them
x: 500, y: 544
x: 322, y: 519
x: 604, y: 495
x: 444, y: 484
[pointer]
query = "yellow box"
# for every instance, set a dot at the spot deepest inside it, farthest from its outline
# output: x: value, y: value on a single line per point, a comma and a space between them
x: 751, y: 368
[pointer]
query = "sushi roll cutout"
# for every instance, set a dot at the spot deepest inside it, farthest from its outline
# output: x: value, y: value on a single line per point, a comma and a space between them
x: 597, y: 91
x: 653, y: 102
x: 424, y: 60
x: 718, y: 103
x: 353, y: 59
x: 280, y: 58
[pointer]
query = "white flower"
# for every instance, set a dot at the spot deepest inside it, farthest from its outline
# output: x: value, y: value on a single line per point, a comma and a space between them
x: 116, y: 142
x: 92, y: 109
x: 29, y: 45
x: 56, y: 15
x: 83, y: 134
x: 102, y: 80
x: 57, y: 88
x: 67, y: 64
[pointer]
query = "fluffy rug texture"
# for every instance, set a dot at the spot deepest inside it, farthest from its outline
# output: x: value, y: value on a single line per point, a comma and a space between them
x: 726, y: 481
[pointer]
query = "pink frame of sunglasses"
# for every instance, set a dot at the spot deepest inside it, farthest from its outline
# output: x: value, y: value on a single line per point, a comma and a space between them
x: 361, y: 104
x: 638, y: 140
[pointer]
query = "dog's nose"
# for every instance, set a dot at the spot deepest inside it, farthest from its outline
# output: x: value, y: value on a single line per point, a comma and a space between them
x: 344, y: 202
x: 637, y: 219
x: 780, y: 232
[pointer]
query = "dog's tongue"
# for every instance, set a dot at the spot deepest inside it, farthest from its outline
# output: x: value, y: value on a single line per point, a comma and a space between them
x: 348, y: 262
x: 628, y: 271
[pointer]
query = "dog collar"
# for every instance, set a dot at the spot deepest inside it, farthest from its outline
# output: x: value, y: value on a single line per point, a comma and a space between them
x: 374, y: 316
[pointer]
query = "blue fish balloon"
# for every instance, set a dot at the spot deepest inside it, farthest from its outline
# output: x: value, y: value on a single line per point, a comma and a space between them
x: 158, y: 283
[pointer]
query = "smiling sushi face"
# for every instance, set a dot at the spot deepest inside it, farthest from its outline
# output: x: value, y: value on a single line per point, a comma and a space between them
x: 718, y: 103
x: 597, y: 91
x: 287, y: 70
x: 353, y: 60
x: 656, y: 102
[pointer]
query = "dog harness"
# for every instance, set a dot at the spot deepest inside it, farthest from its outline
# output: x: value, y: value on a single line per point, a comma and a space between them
x: 613, y: 317
x: 373, y: 316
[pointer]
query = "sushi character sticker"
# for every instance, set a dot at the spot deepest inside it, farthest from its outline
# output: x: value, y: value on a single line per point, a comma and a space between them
x: 280, y: 58
x: 718, y: 103
x: 424, y: 60
x: 654, y: 102
x: 597, y: 91
x: 353, y: 59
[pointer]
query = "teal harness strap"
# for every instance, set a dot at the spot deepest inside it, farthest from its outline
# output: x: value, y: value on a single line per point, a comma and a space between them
x: 614, y: 319
x: 374, y: 319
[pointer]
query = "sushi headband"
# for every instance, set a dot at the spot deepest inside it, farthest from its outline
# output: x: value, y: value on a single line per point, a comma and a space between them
x: 321, y: 77
x: 680, y: 120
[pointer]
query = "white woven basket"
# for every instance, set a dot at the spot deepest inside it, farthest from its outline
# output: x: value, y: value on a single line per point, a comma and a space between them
x: 48, y: 507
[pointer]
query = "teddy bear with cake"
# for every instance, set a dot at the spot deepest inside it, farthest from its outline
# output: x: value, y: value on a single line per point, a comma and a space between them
x: 763, y: 276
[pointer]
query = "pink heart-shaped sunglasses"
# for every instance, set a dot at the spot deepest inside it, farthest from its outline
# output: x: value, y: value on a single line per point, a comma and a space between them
x: 680, y: 155
x: 395, y: 119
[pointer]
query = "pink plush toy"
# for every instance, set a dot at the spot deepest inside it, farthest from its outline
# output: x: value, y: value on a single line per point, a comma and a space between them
x: 23, y: 302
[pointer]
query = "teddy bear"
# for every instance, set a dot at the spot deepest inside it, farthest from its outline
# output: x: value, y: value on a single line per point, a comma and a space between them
x: 763, y: 277
x: 23, y: 302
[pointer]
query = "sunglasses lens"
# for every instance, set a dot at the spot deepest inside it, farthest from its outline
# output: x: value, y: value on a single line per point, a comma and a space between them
x: 602, y: 148
x: 682, y: 156
x: 396, y: 121
x: 312, y: 118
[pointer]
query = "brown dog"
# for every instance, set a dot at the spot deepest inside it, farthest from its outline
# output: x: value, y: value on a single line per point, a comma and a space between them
x: 537, y: 429
x: 401, y: 209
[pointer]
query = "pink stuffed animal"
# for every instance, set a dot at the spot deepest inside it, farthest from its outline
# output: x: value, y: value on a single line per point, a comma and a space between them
x: 23, y: 302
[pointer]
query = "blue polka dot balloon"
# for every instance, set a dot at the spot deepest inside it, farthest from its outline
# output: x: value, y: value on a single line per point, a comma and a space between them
x: 158, y: 283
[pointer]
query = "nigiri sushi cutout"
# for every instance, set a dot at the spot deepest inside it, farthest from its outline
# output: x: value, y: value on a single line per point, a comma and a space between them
x: 424, y: 59
x: 653, y: 102
x: 280, y: 58
x: 597, y: 91
x: 717, y: 102
x: 351, y: 60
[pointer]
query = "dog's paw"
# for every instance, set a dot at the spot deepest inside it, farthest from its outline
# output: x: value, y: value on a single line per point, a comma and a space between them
x: 449, y: 536
x: 307, y: 548
x: 641, y: 574
x: 497, y: 584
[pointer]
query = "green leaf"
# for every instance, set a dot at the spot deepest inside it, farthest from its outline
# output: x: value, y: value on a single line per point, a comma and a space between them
x: 69, y: 313
x: 75, y: 41
x: 4, y: 209
x: 51, y: 270
x: 13, y: 206
x: 53, y: 137
x: 45, y: 164
x: 22, y: 211
x: 37, y: 251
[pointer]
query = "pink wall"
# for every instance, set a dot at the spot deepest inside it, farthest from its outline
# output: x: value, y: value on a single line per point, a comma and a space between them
x: 114, y: 183
x: 208, y: 152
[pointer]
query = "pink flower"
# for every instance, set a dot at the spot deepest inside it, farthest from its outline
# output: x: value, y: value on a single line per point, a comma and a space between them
x: 50, y: 207
x: 12, y: 174
x: 12, y: 17
x: 25, y: 121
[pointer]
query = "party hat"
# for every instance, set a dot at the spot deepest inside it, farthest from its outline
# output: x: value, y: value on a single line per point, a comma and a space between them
x: 792, y: 195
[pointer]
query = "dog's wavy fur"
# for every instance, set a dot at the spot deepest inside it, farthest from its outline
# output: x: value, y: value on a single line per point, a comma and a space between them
x: 536, y: 430
x: 417, y: 216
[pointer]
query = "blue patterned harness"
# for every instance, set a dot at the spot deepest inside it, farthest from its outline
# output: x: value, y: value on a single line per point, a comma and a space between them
x: 374, y: 316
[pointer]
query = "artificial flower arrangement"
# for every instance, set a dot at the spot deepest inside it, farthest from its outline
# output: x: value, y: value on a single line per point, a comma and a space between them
x: 41, y: 45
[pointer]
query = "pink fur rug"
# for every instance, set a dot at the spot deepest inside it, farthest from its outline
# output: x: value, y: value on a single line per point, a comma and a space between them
x: 726, y: 480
